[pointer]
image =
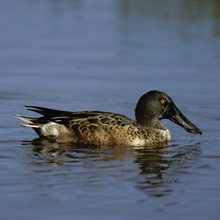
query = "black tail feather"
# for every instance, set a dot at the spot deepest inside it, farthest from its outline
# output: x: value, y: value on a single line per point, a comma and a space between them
x: 47, y: 112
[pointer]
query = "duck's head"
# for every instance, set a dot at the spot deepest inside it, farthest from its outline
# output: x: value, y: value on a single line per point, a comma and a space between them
x: 155, y: 105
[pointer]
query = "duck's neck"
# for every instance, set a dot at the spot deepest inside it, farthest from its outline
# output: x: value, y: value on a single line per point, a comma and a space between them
x: 148, y: 120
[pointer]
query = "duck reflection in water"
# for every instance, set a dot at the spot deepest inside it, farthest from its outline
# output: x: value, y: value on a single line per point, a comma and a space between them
x: 154, y: 170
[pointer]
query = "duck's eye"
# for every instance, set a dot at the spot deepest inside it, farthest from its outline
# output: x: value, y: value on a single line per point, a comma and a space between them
x: 162, y: 101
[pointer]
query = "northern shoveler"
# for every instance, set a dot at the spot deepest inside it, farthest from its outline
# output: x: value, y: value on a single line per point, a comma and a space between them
x: 105, y: 128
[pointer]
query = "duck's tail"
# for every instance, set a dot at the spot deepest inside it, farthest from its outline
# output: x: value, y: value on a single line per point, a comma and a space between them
x: 31, y: 121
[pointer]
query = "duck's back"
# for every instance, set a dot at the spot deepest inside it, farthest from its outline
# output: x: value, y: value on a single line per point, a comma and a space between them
x: 106, y: 128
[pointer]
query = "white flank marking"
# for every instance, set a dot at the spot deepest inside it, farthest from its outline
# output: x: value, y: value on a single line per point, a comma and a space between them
x: 50, y: 129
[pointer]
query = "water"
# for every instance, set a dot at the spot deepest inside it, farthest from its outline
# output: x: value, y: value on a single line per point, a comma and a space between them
x: 95, y: 55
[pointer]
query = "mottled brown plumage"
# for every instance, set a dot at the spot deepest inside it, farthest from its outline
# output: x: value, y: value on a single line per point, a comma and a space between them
x: 105, y: 128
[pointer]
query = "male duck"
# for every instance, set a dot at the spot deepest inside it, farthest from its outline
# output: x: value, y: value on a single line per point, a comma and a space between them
x: 105, y: 128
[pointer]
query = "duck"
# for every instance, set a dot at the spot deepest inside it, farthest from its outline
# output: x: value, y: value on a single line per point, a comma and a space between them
x: 107, y: 128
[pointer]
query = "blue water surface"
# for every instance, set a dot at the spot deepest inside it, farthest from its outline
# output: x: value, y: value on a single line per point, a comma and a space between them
x: 103, y: 55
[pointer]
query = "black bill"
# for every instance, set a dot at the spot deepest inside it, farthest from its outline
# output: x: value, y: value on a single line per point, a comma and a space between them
x: 181, y: 120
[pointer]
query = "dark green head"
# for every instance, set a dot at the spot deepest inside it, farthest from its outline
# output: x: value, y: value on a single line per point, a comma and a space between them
x: 155, y: 105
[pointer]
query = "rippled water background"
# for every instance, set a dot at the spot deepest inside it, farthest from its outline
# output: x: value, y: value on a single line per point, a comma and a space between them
x: 103, y: 55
